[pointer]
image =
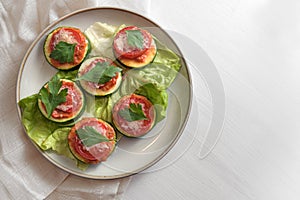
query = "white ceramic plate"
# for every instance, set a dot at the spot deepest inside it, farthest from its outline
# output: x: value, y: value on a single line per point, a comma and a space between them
x: 131, y: 155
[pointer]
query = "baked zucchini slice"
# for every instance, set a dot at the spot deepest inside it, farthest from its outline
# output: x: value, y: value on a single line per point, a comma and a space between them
x: 66, y: 47
x: 134, y: 47
x: 72, y: 101
x: 99, y: 76
x: 134, y: 115
x: 92, y: 140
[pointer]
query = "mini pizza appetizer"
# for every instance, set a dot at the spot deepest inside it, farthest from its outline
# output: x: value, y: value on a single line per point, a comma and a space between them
x: 92, y: 140
x: 134, y: 47
x: 99, y: 76
x: 61, y: 100
x: 134, y: 115
x: 66, y: 47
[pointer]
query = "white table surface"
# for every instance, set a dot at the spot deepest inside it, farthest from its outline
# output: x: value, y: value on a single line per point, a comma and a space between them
x: 255, y: 46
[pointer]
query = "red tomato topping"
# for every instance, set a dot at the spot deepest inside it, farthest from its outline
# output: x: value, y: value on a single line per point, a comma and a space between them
x: 73, y: 104
x: 124, y: 50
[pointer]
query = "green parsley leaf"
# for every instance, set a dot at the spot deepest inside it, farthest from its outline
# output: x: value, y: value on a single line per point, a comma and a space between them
x: 52, y: 97
x: 44, y: 96
x: 54, y: 85
x: 63, y: 52
x: 135, y: 38
x: 133, y: 113
x: 90, y: 136
x: 101, y: 73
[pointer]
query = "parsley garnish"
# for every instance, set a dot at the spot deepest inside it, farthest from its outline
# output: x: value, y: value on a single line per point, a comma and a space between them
x: 52, y: 97
x: 63, y: 52
x: 133, y: 113
x: 101, y: 73
x: 135, y: 38
x: 90, y: 136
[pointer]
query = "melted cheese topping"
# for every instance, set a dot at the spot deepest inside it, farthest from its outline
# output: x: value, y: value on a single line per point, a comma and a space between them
x: 132, y: 126
x: 65, y: 36
x: 71, y: 100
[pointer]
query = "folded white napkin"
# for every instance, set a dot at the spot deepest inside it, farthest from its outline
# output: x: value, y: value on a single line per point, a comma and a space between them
x: 24, y: 172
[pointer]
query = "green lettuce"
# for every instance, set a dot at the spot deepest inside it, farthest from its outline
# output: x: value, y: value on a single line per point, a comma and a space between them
x: 100, y: 107
x: 166, y: 57
x: 58, y: 142
x: 71, y: 75
x: 36, y: 125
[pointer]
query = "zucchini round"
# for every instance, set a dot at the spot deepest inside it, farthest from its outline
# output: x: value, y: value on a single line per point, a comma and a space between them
x: 95, y: 88
x: 136, y: 49
x: 66, y: 47
x: 69, y: 111
x: 134, y: 126
x: 97, y: 152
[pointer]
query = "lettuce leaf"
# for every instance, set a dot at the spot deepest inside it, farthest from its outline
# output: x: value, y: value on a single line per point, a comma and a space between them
x: 71, y: 75
x: 166, y: 57
x: 100, y: 107
x: 36, y: 125
x: 58, y: 142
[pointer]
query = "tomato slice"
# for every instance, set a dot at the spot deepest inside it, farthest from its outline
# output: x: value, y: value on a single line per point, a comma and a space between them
x: 98, y: 152
x: 124, y: 50
x: 73, y: 104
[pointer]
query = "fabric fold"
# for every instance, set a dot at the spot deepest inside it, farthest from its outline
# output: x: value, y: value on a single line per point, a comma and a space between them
x: 78, y: 188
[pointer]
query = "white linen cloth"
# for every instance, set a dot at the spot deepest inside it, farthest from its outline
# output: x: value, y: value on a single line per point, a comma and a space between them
x: 24, y: 172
